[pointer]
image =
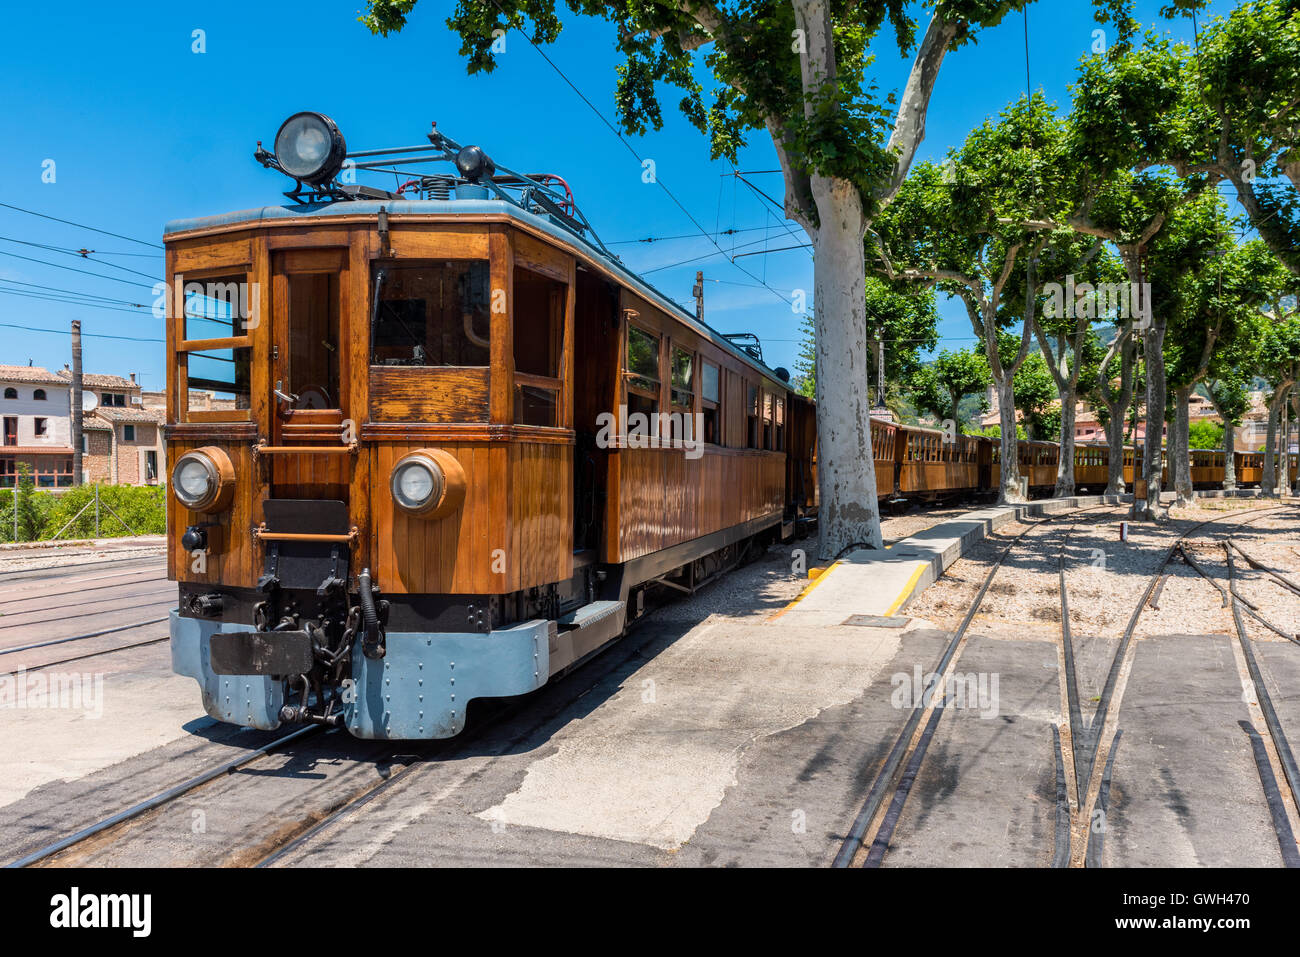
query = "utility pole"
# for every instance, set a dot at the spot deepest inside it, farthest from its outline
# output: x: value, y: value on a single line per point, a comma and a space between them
x: 76, y: 402
x: 699, y: 294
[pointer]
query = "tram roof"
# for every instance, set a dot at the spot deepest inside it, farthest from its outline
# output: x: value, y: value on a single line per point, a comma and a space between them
x: 468, y: 209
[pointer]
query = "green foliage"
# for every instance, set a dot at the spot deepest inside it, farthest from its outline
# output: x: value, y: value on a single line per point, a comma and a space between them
x: 33, y: 507
x: 901, y: 314
x: 1204, y: 435
x: 1224, y: 109
x: 142, y: 507
x: 995, y: 432
x: 1036, y: 398
x: 837, y: 127
x: 938, y: 388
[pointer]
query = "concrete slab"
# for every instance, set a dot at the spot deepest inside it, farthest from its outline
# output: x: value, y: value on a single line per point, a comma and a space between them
x: 650, y: 764
x: 986, y: 792
x: 1185, y: 791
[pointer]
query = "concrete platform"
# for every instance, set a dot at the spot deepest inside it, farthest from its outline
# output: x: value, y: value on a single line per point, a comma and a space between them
x: 881, y: 582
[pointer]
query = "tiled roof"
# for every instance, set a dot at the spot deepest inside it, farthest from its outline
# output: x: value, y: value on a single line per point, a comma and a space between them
x: 116, y: 414
x: 29, y: 374
x: 96, y: 380
x: 35, y: 450
x: 89, y: 424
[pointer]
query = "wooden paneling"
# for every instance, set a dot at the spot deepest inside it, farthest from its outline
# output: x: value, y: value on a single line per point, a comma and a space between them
x: 514, y: 530
x: 233, y: 558
x: 540, y: 257
x: 443, y: 394
x: 663, y: 498
x: 212, y: 253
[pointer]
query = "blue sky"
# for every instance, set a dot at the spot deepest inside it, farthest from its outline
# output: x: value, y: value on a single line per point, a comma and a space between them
x: 142, y: 130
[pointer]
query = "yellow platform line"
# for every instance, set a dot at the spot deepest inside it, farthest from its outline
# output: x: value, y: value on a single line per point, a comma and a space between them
x: 907, y: 589
x: 816, y: 580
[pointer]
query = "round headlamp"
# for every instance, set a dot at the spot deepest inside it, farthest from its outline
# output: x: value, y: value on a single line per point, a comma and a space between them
x: 428, y: 484
x: 310, y: 147
x: 204, y: 480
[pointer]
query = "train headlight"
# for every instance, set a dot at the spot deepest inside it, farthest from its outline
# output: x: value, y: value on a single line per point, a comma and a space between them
x: 310, y: 147
x: 428, y: 484
x: 204, y: 480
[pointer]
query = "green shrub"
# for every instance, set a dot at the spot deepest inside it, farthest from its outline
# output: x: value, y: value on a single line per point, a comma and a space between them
x: 142, y: 507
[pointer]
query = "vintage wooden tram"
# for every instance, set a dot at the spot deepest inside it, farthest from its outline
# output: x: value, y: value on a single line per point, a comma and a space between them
x: 454, y: 442
x: 920, y: 464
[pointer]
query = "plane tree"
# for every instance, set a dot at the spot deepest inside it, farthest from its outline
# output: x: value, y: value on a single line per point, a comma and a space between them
x: 972, y: 225
x: 939, y: 387
x: 1217, y: 306
x: 1227, y: 108
x: 798, y: 70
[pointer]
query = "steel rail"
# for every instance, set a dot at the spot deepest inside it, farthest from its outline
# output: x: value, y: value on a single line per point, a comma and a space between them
x: 159, y: 799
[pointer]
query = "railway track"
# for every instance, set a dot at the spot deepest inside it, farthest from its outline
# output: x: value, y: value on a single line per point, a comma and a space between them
x: 274, y: 845
x: 32, y: 617
x: 1089, y: 741
x: 893, y: 782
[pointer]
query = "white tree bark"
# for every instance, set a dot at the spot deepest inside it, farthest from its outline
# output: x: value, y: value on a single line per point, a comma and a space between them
x: 849, y: 508
x: 1153, y: 453
x: 1180, y: 446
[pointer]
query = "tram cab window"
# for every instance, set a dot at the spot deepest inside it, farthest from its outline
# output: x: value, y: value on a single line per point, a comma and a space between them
x: 642, y: 372
x: 710, y: 398
x: 780, y: 423
x: 220, y: 307
x: 430, y: 313
x: 313, y: 366
x: 768, y: 420
x: 226, y: 373
x: 753, y: 398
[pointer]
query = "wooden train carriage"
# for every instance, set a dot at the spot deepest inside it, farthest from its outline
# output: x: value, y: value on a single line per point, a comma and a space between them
x: 1091, y: 467
x: 588, y: 436
x: 1038, y: 462
x: 931, y: 465
x: 886, y: 448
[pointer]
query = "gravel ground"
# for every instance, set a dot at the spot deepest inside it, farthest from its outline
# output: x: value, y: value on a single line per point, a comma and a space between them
x: 917, y: 519
x: 21, y: 557
x: 1106, y: 577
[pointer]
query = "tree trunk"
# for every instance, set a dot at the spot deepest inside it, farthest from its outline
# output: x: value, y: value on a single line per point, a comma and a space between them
x: 1009, y: 493
x: 849, y: 512
x: 1115, y: 449
x: 1268, y: 482
x: 1295, y: 409
x: 1118, y: 409
x: 1153, y: 453
x: 1065, y: 467
x: 1229, y: 456
x: 1180, y: 447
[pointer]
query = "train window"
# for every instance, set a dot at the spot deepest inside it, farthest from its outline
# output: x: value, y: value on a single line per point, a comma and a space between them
x: 538, y: 347
x: 538, y: 323
x: 780, y: 423
x: 223, y: 372
x: 430, y: 314
x: 710, y: 399
x: 642, y: 371
x: 312, y: 369
x: 768, y: 415
x: 683, y: 378
x: 216, y: 308
x: 752, y: 409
